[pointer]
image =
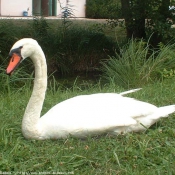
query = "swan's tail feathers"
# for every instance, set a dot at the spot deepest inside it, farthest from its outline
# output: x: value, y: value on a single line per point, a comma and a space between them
x: 163, y: 112
x: 166, y: 110
x: 130, y: 91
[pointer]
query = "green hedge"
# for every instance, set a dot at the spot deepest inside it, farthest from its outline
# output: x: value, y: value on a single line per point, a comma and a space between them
x: 68, y: 48
x: 105, y: 9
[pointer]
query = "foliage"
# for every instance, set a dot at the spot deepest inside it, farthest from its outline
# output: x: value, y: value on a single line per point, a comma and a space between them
x: 161, y: 19
x: 137, y: 64
x: 71, y: 48
x: 145, y: 18
x: 168, y: 73
x: 68, y: 48
x: 9, y: 33
x: 102, y: 9
x: 40, y: 28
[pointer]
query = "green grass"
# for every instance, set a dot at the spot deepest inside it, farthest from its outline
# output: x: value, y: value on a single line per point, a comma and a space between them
x: 148, y: 153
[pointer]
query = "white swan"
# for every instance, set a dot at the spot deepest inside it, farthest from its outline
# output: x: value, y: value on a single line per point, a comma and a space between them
x: 82, y: 115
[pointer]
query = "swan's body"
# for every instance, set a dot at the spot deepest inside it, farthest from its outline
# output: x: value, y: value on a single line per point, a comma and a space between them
x: 82, y: 115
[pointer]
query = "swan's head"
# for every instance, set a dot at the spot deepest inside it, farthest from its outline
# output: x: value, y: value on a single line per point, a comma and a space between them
x: 20, y: 50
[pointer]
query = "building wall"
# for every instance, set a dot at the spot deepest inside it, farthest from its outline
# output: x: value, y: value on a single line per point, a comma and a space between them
x: 78, y: 7
x: 15, y: 7
x: 36, y: 7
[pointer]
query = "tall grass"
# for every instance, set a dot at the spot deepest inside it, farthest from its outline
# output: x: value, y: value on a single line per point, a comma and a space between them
x: 136, y: 64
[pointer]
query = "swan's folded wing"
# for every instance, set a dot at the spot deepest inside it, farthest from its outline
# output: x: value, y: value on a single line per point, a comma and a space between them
x: 97, y: 112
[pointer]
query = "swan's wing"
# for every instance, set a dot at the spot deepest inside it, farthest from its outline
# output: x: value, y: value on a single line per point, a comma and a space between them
x: 97, y: 112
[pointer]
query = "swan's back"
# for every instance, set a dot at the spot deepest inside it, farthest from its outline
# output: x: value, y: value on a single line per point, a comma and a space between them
x: 98, y: 113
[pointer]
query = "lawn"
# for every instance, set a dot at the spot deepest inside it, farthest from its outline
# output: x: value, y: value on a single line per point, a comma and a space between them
x: 151, y: 152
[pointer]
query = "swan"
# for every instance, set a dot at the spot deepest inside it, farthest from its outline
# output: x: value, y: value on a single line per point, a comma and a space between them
x: 83, y: 115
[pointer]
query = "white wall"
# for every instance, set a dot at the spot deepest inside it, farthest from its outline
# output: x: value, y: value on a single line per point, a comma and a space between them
x: 15, y: 7
x: 60, y: 4
x: 78, y: 7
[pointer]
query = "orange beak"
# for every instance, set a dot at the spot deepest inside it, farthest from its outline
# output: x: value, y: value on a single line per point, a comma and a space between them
x: 14, y: 62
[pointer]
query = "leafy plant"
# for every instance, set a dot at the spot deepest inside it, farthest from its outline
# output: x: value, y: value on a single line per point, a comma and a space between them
x: 40, y: 27
x: 102, y: 9
x: 168, y: 73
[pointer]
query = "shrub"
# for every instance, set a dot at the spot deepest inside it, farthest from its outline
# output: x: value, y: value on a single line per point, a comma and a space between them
x: 68, y: 48
x: 8, y: 34
x: 102, y: 9
x: 136, y: 64
x: 82, y: 49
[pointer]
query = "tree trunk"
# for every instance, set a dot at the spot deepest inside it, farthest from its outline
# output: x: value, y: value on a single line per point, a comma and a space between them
x: 164, y: 14
x: 127, y: 15
x: 135, y: 26
x: 139, y: 27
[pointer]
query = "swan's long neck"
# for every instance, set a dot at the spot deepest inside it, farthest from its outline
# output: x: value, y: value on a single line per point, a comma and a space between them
x: 30, y: 123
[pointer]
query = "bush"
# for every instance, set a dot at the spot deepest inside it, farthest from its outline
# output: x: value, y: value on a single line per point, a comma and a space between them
x: 102, y: 9
x: 136, y: 64
x: 68, y: 48
x: 9, y: 33
x: 84, y: 48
